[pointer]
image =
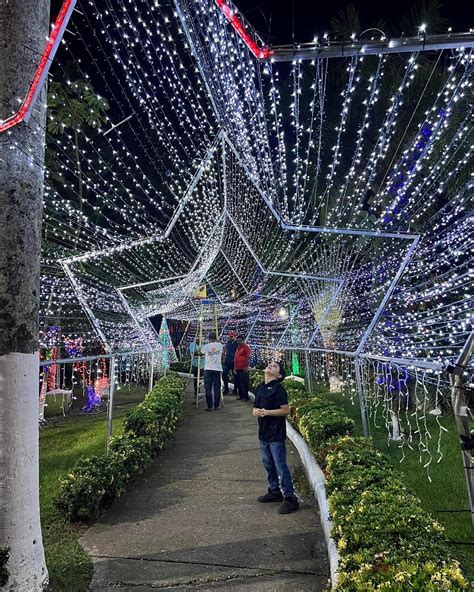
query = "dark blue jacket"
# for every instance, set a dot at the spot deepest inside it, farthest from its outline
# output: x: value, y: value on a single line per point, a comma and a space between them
x: 230, y: 349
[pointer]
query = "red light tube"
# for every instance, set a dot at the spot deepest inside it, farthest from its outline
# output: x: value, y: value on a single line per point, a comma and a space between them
x: 52, y: 44
x: 261, y: 53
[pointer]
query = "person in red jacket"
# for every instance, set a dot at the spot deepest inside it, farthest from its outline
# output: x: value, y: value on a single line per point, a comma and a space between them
x: 241, y: 369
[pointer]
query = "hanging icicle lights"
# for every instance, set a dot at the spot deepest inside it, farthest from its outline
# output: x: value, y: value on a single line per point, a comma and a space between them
x: 370, y: 143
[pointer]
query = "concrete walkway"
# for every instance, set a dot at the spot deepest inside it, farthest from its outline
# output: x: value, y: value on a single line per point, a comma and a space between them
x: 192, y: 522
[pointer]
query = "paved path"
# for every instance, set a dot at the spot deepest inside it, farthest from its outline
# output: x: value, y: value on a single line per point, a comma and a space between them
x: 191, y: 522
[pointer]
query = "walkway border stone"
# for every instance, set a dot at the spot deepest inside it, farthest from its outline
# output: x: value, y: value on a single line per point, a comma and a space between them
x: 317, y: 482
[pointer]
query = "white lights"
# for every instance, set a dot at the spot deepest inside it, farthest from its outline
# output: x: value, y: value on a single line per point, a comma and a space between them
x: 355, y: 143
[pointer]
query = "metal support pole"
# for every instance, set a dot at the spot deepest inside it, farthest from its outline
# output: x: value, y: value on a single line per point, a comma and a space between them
x: 360, y: 392
x: 135, y: 321
x: 388, y: 295
x: 201, y: 321
x: 461, y: 411
x: 110, y: 404
x: 87, y: 309
x: 152, y: 371
x: 309, y: 385
x: 385, y: 46
x: 253, y: 325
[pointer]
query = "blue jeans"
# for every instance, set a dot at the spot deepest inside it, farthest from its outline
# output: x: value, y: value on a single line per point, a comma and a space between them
x: 278, y: 473
x: 212, y: 382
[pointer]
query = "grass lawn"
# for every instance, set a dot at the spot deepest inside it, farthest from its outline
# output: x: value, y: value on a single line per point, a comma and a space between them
x: 61, y: 445
x: 447, y: 490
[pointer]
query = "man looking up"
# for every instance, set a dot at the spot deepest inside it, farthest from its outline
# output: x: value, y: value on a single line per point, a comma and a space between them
x: 241, y: 366
x: 271, y: 407
x: 212, y: 352
x: 230, y: 349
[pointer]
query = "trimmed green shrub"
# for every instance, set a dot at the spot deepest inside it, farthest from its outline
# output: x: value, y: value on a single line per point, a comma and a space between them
x: 385, y: 538
x: 181, y: 366
x: 392, y: 522
x: 4, y: 557
x: 96, y: 481
x: 384, y: 574
x: 89, y: 487
x: 256, y: 377
x: 324, y: 423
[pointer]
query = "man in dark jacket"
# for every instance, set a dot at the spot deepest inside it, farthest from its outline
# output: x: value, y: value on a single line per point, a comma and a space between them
x: 229, y: 350
x: 271, y: 407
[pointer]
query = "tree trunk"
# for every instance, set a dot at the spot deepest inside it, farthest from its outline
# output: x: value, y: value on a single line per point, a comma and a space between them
x: 23, y: 29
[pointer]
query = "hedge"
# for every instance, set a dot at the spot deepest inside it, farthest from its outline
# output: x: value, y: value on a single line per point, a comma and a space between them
x: 96, y: 481
x: 386, y: 540
x: 181, y: 366
x: 4, y: 557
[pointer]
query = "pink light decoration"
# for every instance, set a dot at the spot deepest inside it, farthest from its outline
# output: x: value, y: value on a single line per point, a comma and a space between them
x: 261, y: 53
x: 23, y: 114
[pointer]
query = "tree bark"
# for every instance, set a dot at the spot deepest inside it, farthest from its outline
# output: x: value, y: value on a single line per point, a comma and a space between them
x: 23, y: 30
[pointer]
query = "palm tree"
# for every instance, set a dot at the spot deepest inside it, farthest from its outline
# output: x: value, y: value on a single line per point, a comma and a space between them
x: 21, y: 194
x: 75, y: 106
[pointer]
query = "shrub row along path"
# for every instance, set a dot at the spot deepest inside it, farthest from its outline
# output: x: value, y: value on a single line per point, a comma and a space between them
x: 192, y: 522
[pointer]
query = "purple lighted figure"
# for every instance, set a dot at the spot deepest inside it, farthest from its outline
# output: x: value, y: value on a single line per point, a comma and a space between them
x: 93, y: 399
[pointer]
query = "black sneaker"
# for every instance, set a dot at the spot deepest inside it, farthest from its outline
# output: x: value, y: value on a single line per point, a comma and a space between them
x: 291, y: 504
x: 208, y: 408
x: 271, y: 496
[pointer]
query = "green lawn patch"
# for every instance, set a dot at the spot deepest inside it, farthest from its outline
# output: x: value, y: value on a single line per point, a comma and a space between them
x: 61, y: 445
x: 76, y: 476
x: 447, y: 489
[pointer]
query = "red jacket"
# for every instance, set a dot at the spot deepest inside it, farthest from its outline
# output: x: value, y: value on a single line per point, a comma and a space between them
x: 242, y: 357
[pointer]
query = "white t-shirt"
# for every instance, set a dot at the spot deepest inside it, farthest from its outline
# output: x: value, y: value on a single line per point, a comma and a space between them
x: 213, y: 354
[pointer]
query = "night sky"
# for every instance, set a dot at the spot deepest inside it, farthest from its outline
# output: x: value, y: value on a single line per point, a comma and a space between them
x: 313, y: 17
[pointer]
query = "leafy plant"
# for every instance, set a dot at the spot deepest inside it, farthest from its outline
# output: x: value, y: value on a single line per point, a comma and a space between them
x: 385, y: 538
x: 406, y: 576
x: 96, y: 481
x: 181, y: 366
x: 320, y: 425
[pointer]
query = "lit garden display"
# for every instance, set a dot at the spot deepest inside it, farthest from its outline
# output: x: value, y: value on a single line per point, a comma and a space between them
x: 325, y: 203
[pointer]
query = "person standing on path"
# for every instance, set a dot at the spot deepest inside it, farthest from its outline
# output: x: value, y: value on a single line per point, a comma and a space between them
x: 197, y: 364
x: 241, y: 369
x: 271, y: 407
x: 212, y: 352
x: 230, y: 349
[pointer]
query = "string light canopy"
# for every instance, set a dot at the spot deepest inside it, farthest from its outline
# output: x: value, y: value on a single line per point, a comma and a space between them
x: 336, y: 189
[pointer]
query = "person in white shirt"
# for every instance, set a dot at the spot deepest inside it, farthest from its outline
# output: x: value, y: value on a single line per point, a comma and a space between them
x: 212, y: 352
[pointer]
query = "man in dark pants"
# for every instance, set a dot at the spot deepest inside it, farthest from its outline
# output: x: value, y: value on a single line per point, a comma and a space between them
x: 212, y: 352
x: 230, y: 349
x: 271, y: 407
x: 241, y: 369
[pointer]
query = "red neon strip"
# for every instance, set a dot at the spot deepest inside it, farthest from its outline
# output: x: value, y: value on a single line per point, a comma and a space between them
x: 262, y: 53
x: 42, y: 68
